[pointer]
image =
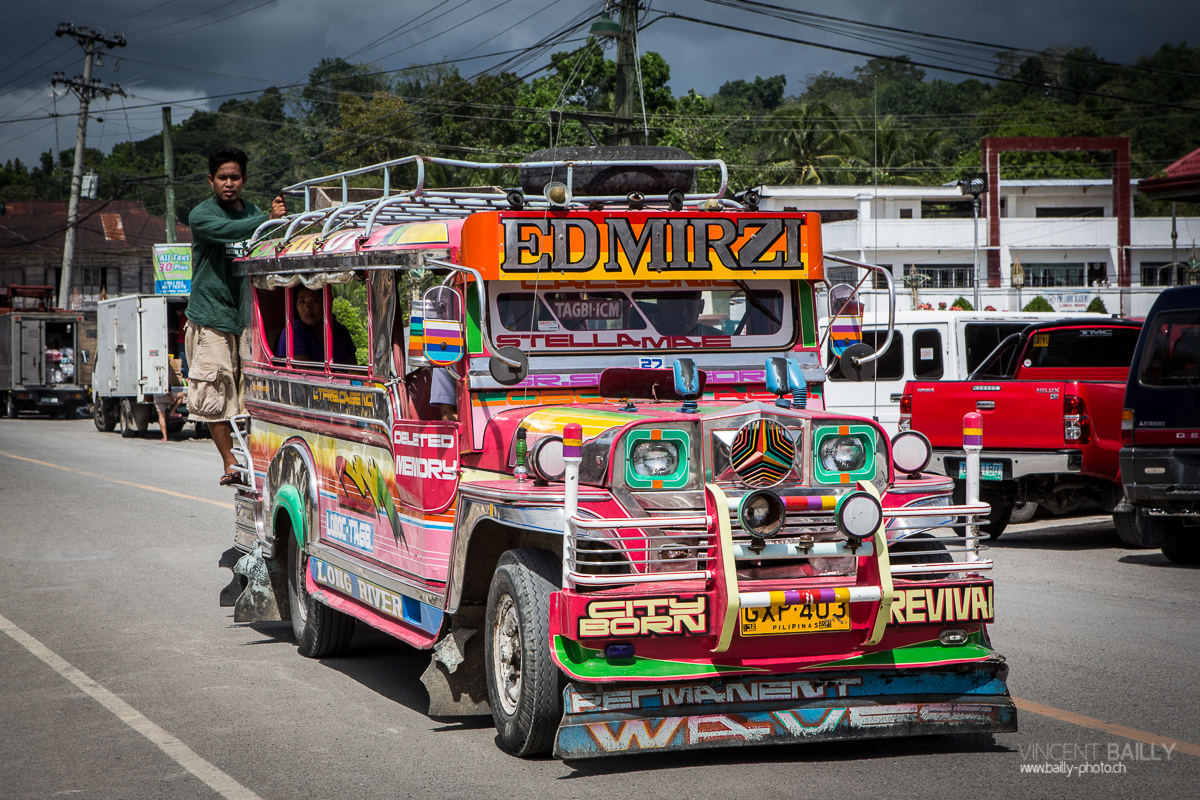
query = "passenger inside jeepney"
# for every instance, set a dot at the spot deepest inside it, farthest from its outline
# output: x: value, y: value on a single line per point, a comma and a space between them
x: 676, y: 313
x: 308, y: 331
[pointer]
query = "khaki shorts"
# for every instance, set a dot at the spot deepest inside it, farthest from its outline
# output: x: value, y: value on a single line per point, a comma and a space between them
x: 215, y: 373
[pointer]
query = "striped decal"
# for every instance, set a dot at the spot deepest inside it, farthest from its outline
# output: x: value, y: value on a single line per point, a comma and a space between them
x: 416, y: 337
x: 845, y: 333
x: 805, y: 597
x: 442, y: 342
x: 812, y: 502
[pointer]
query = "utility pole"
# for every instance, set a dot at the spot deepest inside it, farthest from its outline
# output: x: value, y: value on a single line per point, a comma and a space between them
x: 169, y: 168
x: 85, y: 88
x: 627, y: 88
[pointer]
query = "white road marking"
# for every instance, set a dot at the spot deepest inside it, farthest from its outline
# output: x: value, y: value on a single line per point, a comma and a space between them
x: 179, y: 752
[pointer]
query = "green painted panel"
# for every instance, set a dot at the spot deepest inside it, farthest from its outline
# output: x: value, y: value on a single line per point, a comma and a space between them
x: 591, y: 664
x: 288, y: 497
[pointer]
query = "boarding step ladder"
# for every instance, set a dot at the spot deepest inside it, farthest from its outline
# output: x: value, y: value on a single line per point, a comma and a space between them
x: 240, y: 424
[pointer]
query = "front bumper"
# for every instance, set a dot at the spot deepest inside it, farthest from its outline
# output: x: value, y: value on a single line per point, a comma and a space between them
x: 1166, y: 478
x: 1015, y: 463
x: 781, y: 709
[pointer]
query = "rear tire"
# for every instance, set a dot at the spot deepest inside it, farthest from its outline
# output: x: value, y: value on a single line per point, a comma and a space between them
x: 10, y: 407
x: 998, y: 518
x: 1138, y: 530
x: 1181, y: 544
x: 320, y: 631
x: 201, y: 430
x: 522, y: 679
x: 1022, y: 513
x: 128, y: 428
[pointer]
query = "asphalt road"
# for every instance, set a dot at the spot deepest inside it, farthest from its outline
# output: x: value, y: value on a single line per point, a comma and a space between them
x: 120, y: 677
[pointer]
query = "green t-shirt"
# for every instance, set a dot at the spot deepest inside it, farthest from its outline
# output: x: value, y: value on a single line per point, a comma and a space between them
x: 220, y: 297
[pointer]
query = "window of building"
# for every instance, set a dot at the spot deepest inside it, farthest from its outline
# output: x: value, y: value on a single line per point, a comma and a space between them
x: 1097, y: 273
x: 890, y: 367
x: 1062, y: 212
x: 1157, y: 273
x: 927, y: 354
x: 1055, y: 275
x: 906, y: 213
x: 839, y: 215
x: 945, y: 276
x: 836, y: 275
x: 880, y: 282
x: 946, y: 209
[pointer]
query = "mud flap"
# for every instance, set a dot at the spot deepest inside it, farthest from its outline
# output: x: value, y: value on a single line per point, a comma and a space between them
x: 456, y: 677
x: 257, y: 601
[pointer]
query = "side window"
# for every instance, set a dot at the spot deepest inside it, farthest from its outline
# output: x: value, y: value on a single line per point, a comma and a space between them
x: 348, y: 326
x: 981, y: 338
x: 927, y: 354
x: 890, y: 367
x: 272, y: 311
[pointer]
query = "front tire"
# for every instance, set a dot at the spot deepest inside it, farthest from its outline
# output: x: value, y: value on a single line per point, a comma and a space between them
x: 320, y: 631
x: 523, y: 685
x: 103, y: 415
x: 998, y: 518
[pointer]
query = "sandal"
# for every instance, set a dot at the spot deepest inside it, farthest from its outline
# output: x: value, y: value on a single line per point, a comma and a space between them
x: 231, y: 478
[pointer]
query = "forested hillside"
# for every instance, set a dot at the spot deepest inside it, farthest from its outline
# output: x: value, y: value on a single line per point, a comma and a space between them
x: 887, y: 123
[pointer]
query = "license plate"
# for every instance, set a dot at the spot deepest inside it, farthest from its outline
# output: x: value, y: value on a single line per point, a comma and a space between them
x: 988, y: 470
x: 815, y: 618
x: 45, y: 400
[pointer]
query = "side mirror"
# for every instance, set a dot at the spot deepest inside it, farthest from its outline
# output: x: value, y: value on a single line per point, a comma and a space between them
x: 777, y: 379
x: 442, y: 335
x: 687, y: 383
x: 509, y: 366
x: 845, y: 318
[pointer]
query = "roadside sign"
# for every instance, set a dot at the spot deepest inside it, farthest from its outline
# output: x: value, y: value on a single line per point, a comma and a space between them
x: 172, y: 269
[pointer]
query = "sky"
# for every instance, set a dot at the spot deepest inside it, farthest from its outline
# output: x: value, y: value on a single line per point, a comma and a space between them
x: 194, y: 54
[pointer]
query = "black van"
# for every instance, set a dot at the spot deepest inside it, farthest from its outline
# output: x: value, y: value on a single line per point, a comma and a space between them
x: 1160, y: 424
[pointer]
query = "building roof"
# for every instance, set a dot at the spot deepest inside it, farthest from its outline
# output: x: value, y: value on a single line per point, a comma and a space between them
x: 113, y: 226
x: 1180, y: 181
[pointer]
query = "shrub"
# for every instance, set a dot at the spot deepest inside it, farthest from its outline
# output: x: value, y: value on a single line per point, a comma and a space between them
x: 1097, y: 306
x: 1038, y: 303
x: 963, y: 305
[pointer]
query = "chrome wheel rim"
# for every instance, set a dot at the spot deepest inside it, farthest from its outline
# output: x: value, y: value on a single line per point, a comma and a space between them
x: 506, y: 654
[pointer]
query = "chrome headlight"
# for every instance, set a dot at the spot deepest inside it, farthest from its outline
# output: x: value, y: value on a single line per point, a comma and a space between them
x: 654, y: 459
x: 762, y: 514
x: 843, y: 454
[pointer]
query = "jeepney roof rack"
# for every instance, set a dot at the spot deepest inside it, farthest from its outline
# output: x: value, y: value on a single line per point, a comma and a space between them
x: 422, y: 203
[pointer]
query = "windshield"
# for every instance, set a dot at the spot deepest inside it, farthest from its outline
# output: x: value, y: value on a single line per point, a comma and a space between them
x: 1172, y: 355
x: 642, y: 314
x: 1082, y: 348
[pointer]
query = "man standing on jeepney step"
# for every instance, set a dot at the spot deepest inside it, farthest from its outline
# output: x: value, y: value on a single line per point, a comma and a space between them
x: 219, y: 306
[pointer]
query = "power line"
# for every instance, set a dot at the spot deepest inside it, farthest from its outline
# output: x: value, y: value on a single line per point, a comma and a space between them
x: 906, y: 60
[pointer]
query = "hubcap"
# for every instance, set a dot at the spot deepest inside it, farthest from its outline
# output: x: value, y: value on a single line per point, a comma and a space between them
x: 506, y: 654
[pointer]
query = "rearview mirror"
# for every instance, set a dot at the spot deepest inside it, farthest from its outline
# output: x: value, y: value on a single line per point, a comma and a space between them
x: 442, y: 334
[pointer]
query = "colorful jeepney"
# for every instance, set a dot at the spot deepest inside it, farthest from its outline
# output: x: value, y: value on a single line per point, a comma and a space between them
x: 634, y: 526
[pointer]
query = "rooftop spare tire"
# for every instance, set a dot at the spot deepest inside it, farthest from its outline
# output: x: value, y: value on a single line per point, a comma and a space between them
x: 599, y: 181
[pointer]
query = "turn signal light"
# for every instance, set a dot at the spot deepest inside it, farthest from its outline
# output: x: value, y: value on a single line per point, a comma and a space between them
x: 1127, y: 427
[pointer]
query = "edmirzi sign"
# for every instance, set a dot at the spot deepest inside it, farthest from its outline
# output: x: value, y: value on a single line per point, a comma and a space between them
x: 172, y: 269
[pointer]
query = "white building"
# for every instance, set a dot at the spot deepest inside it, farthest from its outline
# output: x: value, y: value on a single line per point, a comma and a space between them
x: 1062, y: 233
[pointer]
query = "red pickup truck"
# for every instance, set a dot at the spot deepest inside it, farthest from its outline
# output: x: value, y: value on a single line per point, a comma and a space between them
x: 1051, y: 399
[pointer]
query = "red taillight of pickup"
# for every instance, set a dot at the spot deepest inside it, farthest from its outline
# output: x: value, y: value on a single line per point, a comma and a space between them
x: 905, y: 423
x: 1127, y: 427
x: 1076, y: 427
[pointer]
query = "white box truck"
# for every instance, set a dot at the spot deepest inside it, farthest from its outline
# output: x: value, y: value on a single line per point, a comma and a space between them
x: 136, y: 339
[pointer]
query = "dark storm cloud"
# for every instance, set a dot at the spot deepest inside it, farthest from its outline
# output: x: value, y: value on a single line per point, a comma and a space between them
x: 279, y: 41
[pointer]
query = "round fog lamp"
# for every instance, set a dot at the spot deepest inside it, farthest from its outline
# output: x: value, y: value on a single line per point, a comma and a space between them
x: 858, y: 515
x: 761, y: 514
x: 911, y: 451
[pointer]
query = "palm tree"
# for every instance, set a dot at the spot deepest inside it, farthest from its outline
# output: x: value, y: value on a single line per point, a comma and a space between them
x: 886, y: 153
x: 803, y: 141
